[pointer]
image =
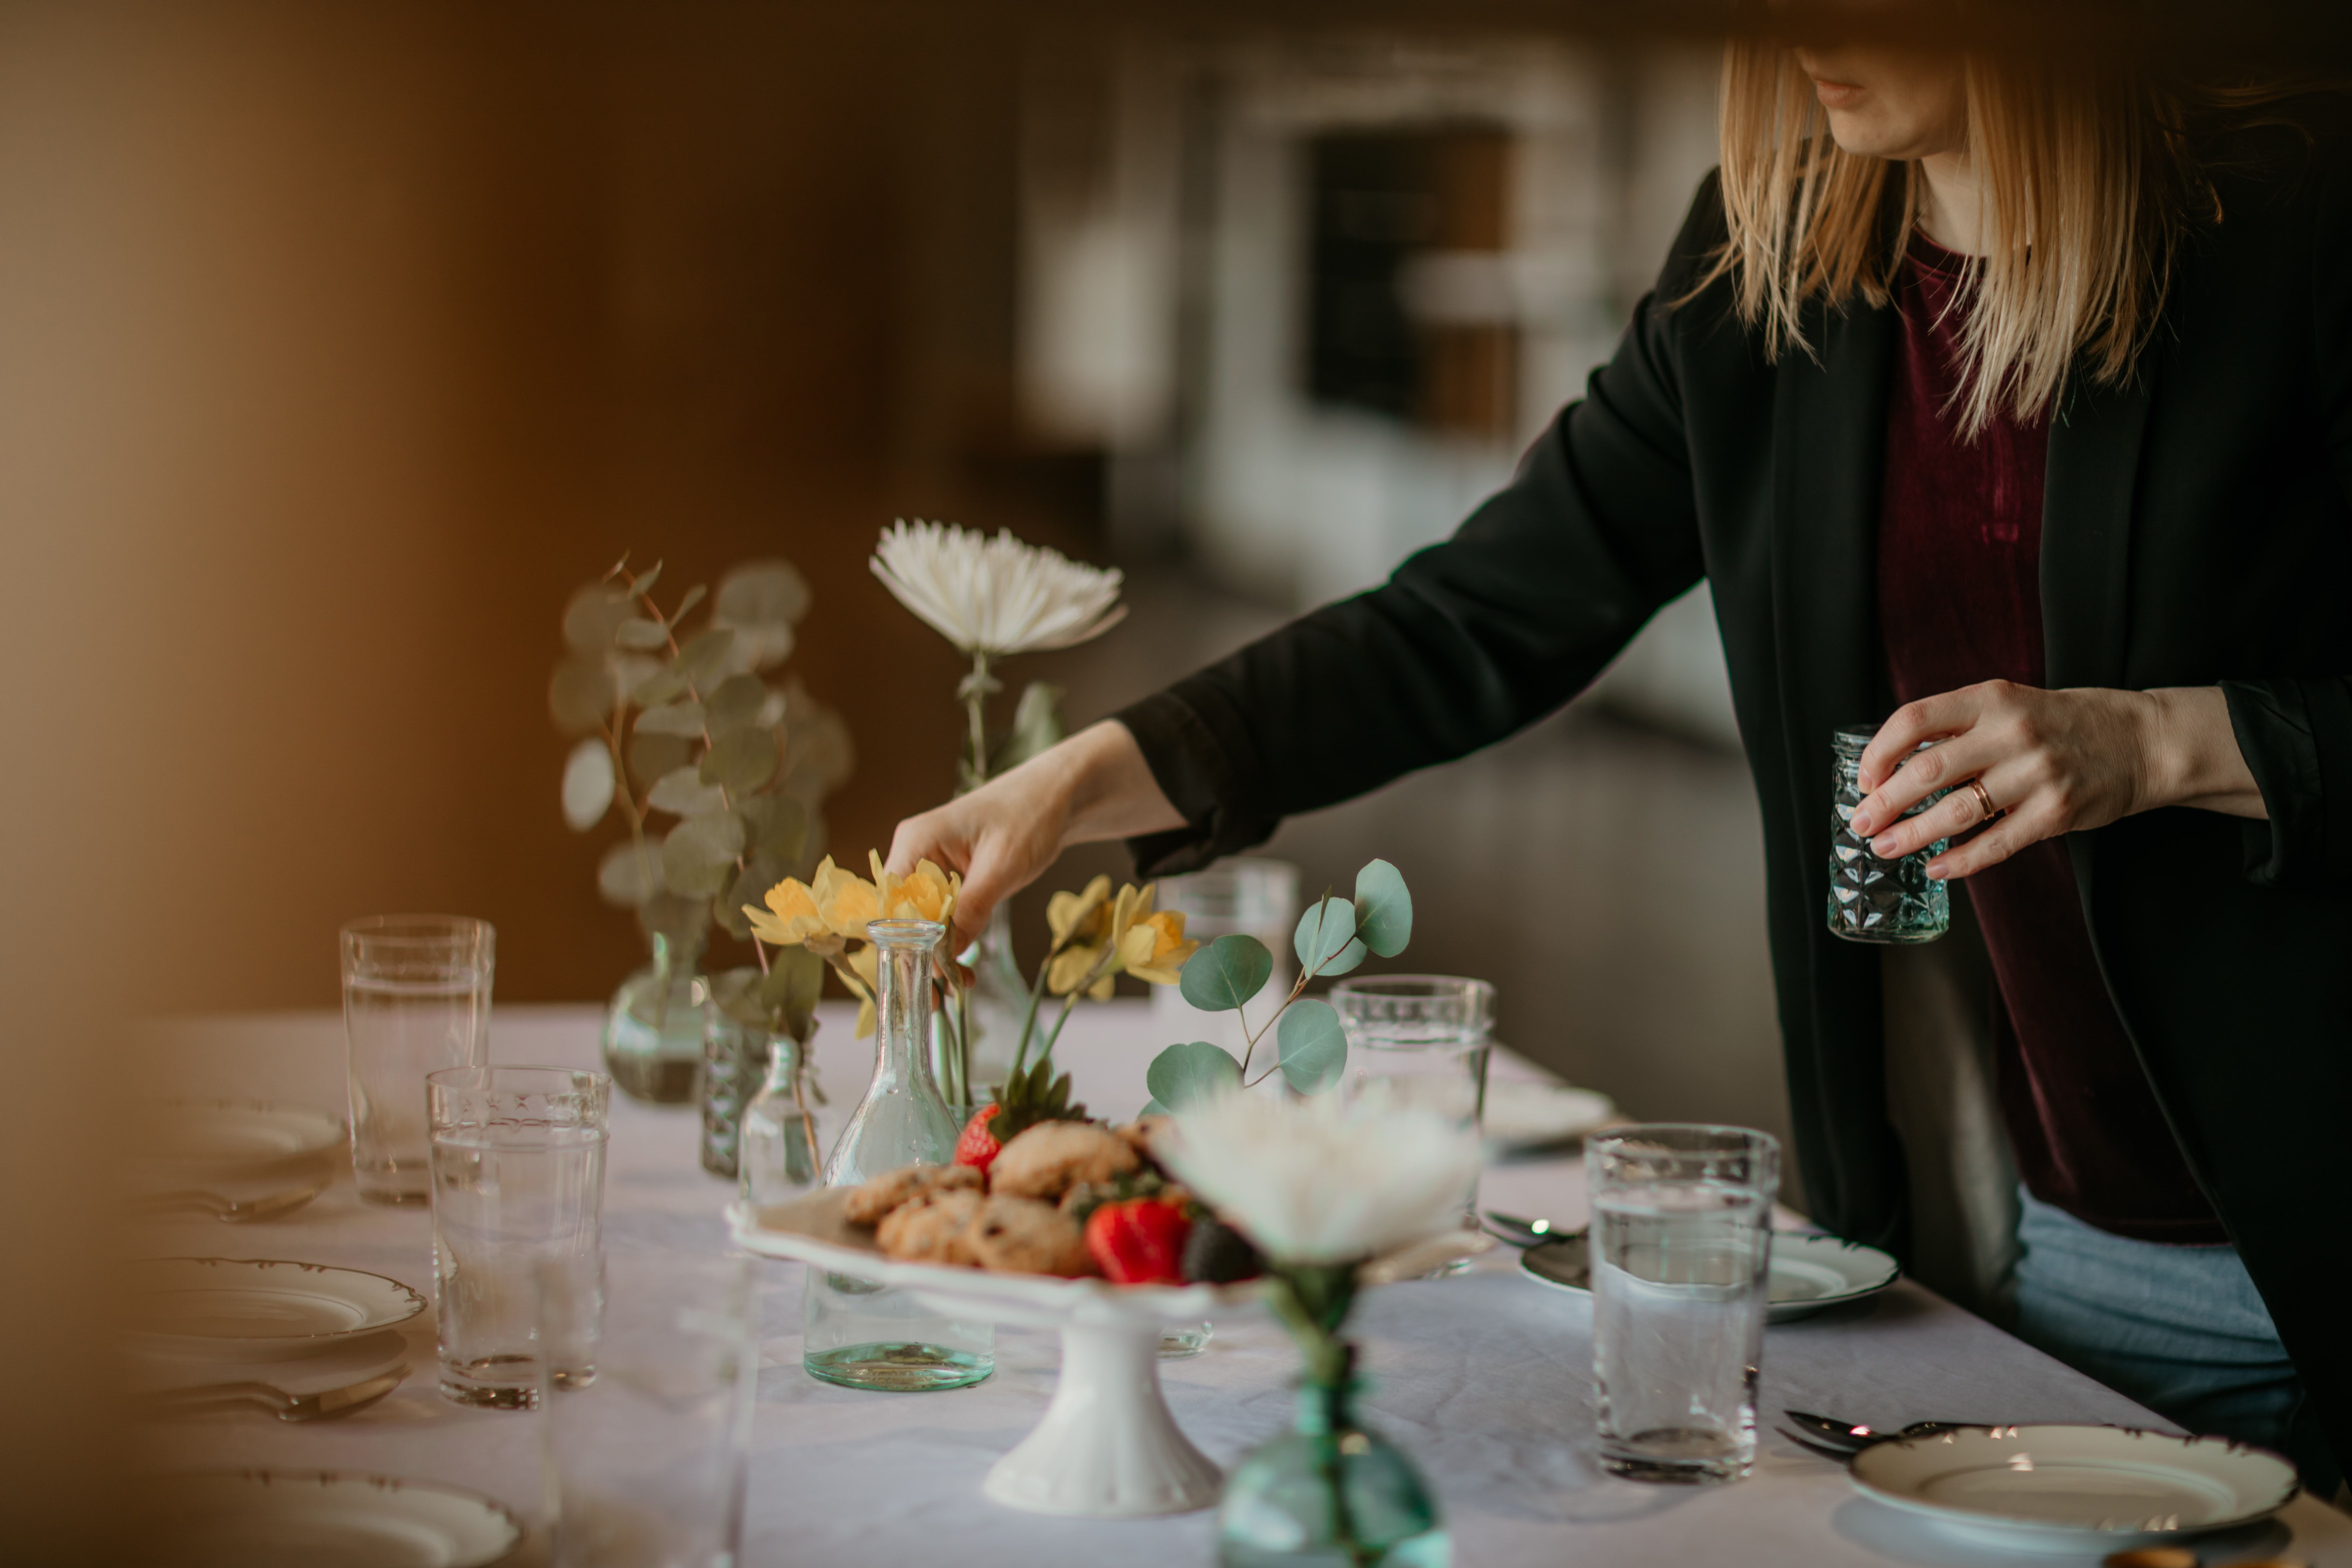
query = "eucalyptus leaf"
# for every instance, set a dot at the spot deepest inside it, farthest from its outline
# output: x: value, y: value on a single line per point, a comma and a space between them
x: 1037, y: 726
x: 642, y: 635
x: 760, y: 601
x: 1225, y: 974
x: 1183, y: 1075
x: 795, y: 977
x: 701, y: 658
x: 740, y: 760
x: 1314, y: 1046
x: 733, y: 703
x: 652, y: 756
x: 580, y: 696
x: 1383, y: 909
x: 658, y: 687
x: 681, y: 719
x: 760, y: 873
x: 682, y: 793
x: 644, y: 585
x: 778, y: 825
x: 694, y: 597
x: 679, y: 917
x: 698, y: 857
x: 590, y: 618
x: 587, y: 784
x: 1152, y: 1108
x: 628, y: 876
x: 1326, y: 939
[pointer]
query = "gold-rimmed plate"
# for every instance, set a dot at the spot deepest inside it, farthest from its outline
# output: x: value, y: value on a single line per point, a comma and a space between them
x: 259, y: 1308
x: 300, y: 1519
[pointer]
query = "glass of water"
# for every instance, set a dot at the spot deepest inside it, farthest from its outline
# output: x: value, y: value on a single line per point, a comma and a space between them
x: 1681, y: 1245
x: 1425, y: 1037
x: 1873, y: 899
x: 645, y: 1466
x: 416, y: 998
x: 518, y: 1191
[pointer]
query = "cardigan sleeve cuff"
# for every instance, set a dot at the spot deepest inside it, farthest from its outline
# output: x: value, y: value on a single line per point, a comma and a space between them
x: 2297, y: 738
x: 1199, y: 772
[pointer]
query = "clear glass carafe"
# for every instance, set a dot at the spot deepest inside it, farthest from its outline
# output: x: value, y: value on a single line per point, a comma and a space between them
x: 858, y: 1333
x: 653, y: 1030
x: 1328, y: 1491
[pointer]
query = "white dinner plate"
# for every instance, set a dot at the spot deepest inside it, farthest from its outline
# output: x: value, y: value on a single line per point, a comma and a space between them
x: 2075, y: 1488
x: 239, y: 1136
x: 309, y: 1519
x: 260, y: 1308
x: 1809, y: 1272
x: 1520, y: 1114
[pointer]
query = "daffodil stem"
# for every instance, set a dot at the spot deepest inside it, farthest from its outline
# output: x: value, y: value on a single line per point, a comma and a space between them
x: 1068, y: 1003
x: 1029, y: 1019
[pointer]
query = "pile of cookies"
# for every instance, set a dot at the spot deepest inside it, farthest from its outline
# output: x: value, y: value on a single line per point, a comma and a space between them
x: 1063, y: 1198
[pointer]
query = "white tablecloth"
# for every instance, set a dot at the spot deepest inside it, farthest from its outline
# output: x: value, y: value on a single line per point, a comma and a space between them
x: 1485, y: 1379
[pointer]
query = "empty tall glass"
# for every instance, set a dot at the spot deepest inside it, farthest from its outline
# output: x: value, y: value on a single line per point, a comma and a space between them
x: 416, y: 998
x: 1681, y: 1245
x: 645, y: 1466
x: 518, y: 1193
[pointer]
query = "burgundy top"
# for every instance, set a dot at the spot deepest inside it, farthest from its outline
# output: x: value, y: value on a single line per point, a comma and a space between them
x: 1959, y: 601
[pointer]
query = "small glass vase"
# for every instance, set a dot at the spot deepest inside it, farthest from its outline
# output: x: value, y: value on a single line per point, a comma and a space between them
x: 778, y: 1160
x: 998, y: 1002
x: 856, y: 1333
x: 1278, y: 1512
x: 735, y: 1057
x: 653, y: 1030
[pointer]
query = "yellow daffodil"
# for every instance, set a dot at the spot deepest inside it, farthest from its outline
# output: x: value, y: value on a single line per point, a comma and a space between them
x: 790, y: 916
x: 1074, y: 916
x: 1155, y: 947
x: 844, y: 900
x: 930, y: 894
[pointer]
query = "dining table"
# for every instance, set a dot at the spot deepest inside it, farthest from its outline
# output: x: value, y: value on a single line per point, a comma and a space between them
x: 1484, y: 1378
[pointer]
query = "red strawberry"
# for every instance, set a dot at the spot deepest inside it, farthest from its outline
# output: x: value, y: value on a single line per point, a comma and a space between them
x: 978, y: 1146
x: 1139, y: 1242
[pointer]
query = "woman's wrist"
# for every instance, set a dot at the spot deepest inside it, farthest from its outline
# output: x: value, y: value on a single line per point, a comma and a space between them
x: 1103, y: 787
x: 2190, y: 753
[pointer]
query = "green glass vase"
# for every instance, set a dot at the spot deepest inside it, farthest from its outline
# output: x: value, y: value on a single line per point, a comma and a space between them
x: 1278, y: 1510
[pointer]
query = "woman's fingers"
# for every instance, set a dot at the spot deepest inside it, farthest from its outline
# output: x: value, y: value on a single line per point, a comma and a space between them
x: 1913, y: 724
x: 2004, y: 838
x: 1941, y: 766
x: 1956, y: 814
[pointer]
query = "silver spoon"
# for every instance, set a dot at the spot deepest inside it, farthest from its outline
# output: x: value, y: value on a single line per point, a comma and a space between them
x: 1519, y: 1231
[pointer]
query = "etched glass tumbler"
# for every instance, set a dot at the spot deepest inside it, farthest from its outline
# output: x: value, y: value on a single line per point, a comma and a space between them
x: 1681, y: 1247
x: 1424, y: 1038
x: 1873, y: 899
x: 416, y: 998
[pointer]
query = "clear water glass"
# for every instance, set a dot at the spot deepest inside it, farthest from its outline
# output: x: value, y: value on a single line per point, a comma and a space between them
x: 416, y: 998
x: 1681, y: 1247
x: 856, y: 1333
x: 517, y: 1194
x: 1426, y: 1038
x: 645, y: 1465
x: 1244, y: 896
x: 1873, y: 899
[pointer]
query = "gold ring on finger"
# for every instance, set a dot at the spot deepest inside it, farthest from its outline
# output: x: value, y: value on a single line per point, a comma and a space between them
x: 1984, y: 799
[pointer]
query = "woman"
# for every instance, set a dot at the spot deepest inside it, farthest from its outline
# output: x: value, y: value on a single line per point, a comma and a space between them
x: 2024, y: 410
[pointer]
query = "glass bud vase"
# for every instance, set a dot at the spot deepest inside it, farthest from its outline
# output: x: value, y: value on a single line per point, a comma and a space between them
x: 777, y: 1160
x: 735, y: 1057
x: 858, y: 1333
x: 1278, y: 1512
x: 999, y: 1002
x: 653, y: 1030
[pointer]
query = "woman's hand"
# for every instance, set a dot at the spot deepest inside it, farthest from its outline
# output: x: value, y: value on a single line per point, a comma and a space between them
x: 2052, y: 762
x: 1004, y: 834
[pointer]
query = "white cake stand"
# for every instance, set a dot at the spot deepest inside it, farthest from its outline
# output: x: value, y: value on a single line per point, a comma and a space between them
x: 1107, y: 1447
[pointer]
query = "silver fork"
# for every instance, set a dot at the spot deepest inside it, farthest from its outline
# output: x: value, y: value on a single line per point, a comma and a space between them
x: 276, y: 1400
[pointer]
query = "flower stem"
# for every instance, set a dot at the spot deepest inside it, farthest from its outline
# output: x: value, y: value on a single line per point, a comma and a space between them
x: 975, y: 702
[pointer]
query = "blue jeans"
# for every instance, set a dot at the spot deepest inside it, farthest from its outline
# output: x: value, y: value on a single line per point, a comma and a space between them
x: 2179, y: 1328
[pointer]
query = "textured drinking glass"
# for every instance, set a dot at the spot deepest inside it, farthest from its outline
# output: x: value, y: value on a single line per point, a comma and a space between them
x: 1681, y: 1244
x: 518, y: 1191
x: 416, y: 998
x: 1873, y: 899
x: 645, y: 1465
x: 1241, y: 897
x: 855, y: 1332
x: 1427, y: 1038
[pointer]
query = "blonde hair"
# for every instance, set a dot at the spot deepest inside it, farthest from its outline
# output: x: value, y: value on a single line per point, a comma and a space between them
x: 2088, y: 189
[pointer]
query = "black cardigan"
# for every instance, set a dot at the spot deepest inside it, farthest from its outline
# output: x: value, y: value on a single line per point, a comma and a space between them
x: 2197, y: 529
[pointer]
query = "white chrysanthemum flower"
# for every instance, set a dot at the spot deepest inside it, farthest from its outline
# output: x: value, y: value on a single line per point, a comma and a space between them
x: 1312, y: 1181
x: 996, y: 597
